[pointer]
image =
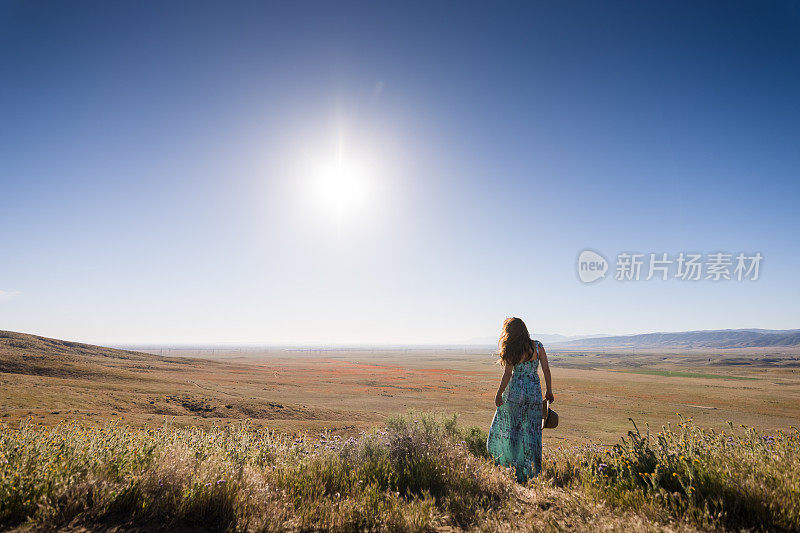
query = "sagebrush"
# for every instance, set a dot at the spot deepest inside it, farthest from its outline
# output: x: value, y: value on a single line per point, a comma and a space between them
x: 420, y: 472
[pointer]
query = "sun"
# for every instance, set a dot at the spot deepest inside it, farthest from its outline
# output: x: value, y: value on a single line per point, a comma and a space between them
x: 341, y: 186
x: 343, y: 181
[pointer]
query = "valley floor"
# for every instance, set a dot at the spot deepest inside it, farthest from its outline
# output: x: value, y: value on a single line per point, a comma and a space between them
x: 348, y: 392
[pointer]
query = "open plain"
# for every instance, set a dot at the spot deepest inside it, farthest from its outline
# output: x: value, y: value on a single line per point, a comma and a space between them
x: 350, y: 390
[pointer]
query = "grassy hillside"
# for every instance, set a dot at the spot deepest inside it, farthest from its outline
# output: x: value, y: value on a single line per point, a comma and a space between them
x: 21, y: 353
x: 417, y: 473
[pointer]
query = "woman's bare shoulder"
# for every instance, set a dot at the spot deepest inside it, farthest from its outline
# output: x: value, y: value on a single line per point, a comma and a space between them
x: 538, y: 348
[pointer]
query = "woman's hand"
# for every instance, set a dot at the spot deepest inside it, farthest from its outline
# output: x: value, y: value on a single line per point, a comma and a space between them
x: 549, y: 396
x: 498, y: 400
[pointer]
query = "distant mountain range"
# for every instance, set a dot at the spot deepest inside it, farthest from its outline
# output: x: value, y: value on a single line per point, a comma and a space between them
x: 31, y: 354
x: 545, y: 338
x: 724, y: 338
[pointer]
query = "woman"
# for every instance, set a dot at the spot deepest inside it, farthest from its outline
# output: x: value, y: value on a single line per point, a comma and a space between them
x: 515, y: 438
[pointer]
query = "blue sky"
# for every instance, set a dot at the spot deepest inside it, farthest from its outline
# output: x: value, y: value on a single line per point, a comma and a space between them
x: 160, y: 166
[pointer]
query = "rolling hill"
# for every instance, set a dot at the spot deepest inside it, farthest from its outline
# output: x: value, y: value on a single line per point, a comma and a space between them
x: 22, y: 353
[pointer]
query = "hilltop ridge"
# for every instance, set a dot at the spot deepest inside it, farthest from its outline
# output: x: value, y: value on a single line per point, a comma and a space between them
x: 725, y: 338
x: 23, y: 353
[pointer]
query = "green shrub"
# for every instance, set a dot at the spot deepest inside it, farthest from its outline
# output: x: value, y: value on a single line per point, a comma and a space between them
x: 734, y: 479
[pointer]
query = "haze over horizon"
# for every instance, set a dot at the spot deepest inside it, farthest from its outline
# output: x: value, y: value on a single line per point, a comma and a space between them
x: 550, y: 339
x: 357, y: 174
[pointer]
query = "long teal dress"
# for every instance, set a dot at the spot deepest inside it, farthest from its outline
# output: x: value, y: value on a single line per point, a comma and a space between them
x: 515, y: 437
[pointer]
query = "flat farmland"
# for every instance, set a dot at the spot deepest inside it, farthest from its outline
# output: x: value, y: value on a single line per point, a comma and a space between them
x: 348, y: 391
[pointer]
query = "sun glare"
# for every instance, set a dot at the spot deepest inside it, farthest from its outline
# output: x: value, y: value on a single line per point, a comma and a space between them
x: 342, y: 183
x: 344, y: 180
x: 341, y: 186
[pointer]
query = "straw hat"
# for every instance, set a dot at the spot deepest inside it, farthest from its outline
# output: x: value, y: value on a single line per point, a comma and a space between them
x: 549, y: 417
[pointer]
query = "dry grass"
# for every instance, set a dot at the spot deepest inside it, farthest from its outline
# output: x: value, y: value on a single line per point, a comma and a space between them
x: 418, y: 473
x: 734, y: 479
